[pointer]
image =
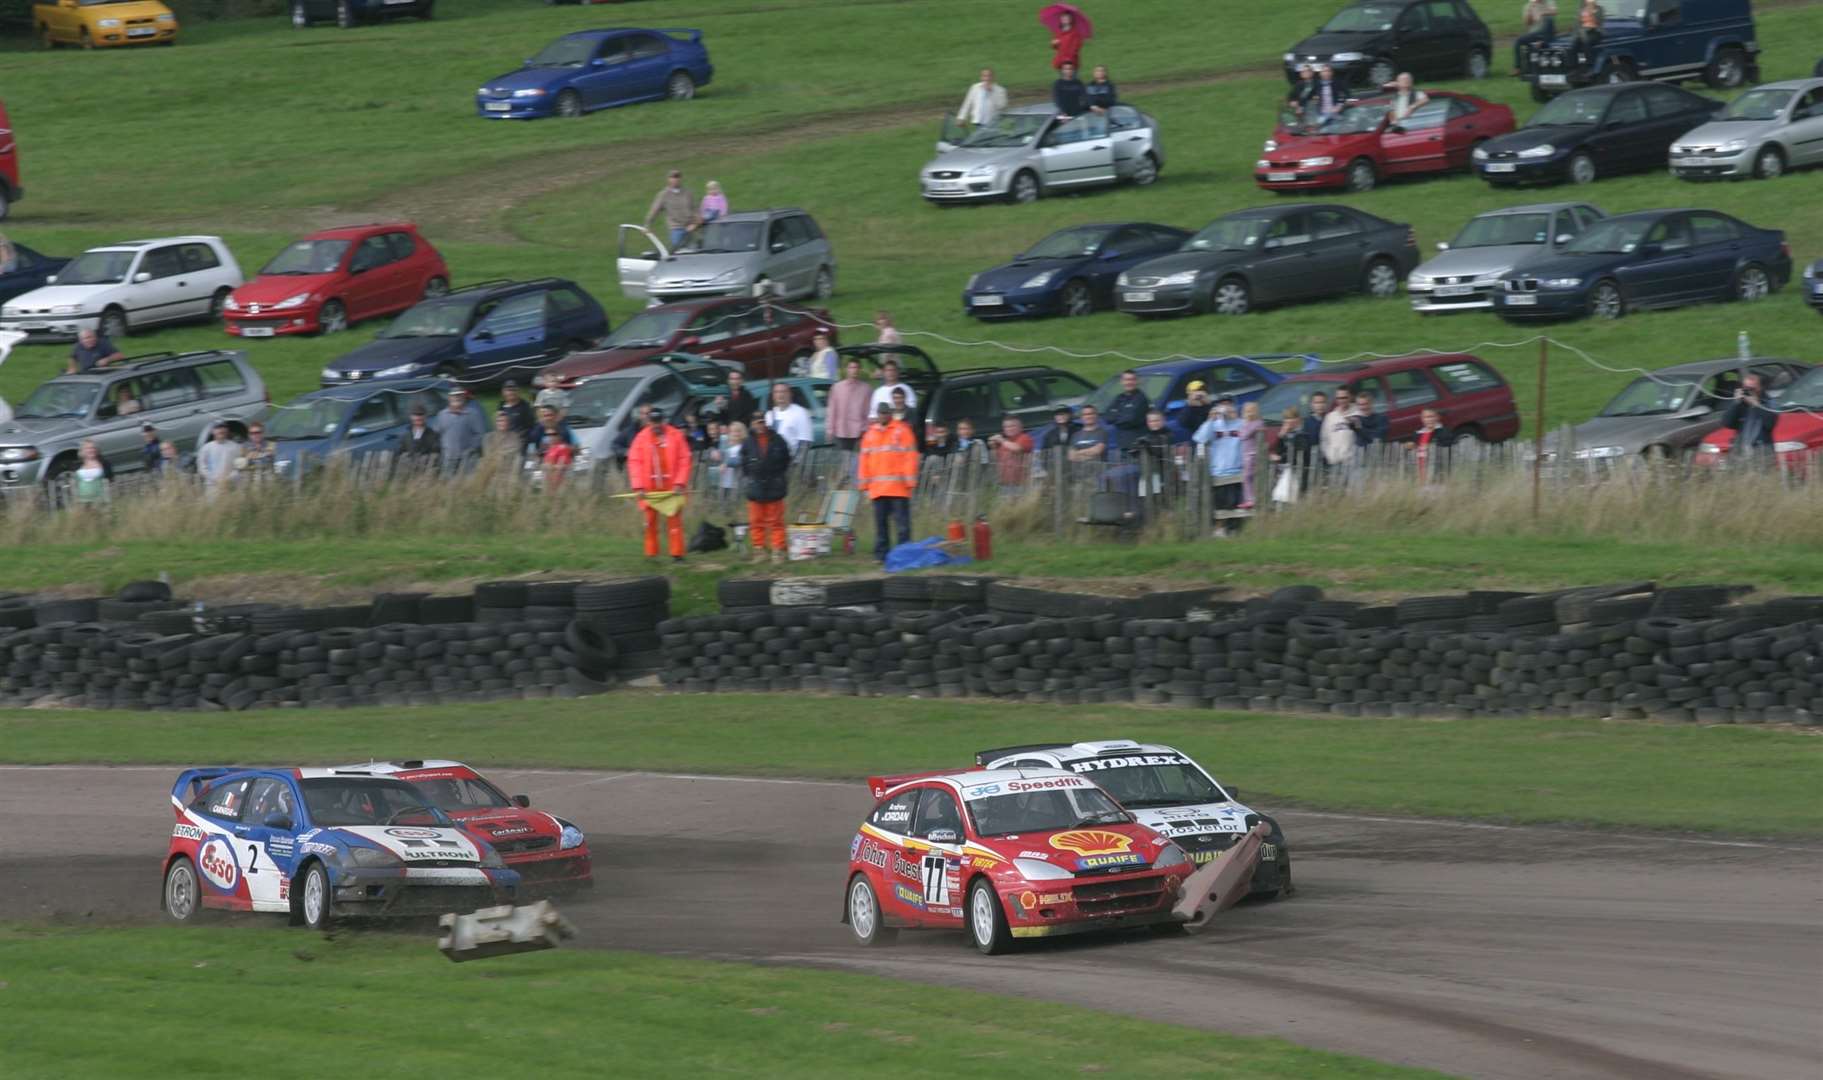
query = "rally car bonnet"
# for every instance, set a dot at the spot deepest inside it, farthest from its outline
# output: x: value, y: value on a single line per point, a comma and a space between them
x: 414, y: 843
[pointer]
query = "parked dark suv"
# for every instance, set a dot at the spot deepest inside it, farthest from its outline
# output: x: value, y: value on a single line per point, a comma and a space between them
x: 1371, y: 41
x: 1667, y: 40
x: 1476, y: 403
x: 479, y: 334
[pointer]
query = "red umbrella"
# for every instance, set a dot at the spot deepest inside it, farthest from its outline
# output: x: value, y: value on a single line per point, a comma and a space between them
x: 1051, y: 17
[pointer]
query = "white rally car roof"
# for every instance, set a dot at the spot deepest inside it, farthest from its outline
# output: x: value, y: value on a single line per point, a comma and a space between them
x: 387, y: 768
x: 1064, y: 753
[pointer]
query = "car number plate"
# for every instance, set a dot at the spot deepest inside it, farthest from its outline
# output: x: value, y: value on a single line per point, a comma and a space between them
x: 1553, y: 80
x: 256, y: 331
x: 1141, y: 297
x: 1281, y: 177
x: 944, y: 185
x: 1817, y: 287
x: 142, y: 31
x: 1522, y: 300
x: 401, y: 1
x: 984, y: 300
x: 1502, y: 166
x: 1453, y: 290
x: 1695, y: 161
x: 499, y: 106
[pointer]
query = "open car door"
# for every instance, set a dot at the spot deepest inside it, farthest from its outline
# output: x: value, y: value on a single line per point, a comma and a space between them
x: 640, y: 251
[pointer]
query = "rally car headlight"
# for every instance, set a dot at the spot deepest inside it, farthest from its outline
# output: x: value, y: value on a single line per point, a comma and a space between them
x: 374, y: 858
x: 291, y: 302
x: 491, y: 859
x: 1170, y: 855
x: 1418, y: 279
x: 67, y: 309
x: 1316, y: 162
x: 980, y: 171
x: 572, y: 836
x: 528, y: 93
x: 1121, y: 279
x: 1542, y: 150
x: 1182, y: 277
x: 1561, y: 283
x: 1035, y: 870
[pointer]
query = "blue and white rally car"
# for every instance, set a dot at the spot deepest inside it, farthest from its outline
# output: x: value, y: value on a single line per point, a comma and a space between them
x: 321, y: 843
x: 1169, y: 793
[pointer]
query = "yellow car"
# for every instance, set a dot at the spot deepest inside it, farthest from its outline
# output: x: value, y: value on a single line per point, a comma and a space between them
x: 101, y: 24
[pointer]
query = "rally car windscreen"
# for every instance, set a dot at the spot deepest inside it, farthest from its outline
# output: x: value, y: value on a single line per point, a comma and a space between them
x: 336, y: 801
x: 462, y: 793
x: 1044, y: 811
x: 1141, y: 786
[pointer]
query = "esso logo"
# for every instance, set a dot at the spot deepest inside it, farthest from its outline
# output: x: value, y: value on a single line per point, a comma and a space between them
x: 216, y: 861
x: 414, y: 834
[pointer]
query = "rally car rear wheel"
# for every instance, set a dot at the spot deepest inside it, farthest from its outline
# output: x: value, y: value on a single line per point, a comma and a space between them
x: 313, y: 902
x: 987, y: 920
x: 183, y: 900
x: 864, y: 916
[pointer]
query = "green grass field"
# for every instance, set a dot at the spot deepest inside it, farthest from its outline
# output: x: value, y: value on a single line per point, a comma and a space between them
x: 361, y: 997
x: 1727, y: 779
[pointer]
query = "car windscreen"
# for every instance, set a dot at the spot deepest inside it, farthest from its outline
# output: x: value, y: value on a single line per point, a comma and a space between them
x: 312, y: 419
x: 1571, y: 110
x: 1610, y: 237
x: 1155, y: 386
x: 335, y: 801
x: 597, y: 401
x: 439, y: 318
x: 308, y: 257
x: 55, y: 400
x: 1651, y: 397
x: 564, y: 52
x: 649, y: 328
x: 1148, y: 781
x: 1296, y: 393
x: 1355, y: 119
x: 1015, y: 129
x: 97, y: 268
x: 1762, y: 104
x: 1501, y: 230
x: 1044, y: 811
x: 1068, y: 244
x: 460, y: 792
x: 720, y: 237
x: 1363, y: 19
x: 1238, y: 232
x: 1805, y: 393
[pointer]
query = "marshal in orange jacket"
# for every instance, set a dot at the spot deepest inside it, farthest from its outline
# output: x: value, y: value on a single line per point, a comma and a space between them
x: 889, y: 461
x: 652, y: 469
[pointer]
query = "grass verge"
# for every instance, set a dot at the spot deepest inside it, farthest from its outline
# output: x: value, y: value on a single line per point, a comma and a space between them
x: 568, y: 1011
x: 1724, y: 779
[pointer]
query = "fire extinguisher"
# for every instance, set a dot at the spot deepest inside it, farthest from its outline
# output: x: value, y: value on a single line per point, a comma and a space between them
x: 955, y: 528
x: 984, y: 539
x: 848, y: 541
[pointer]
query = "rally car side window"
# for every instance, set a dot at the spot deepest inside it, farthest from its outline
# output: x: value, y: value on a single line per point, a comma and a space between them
x: 937, y: 809
x: 895, y: 814
x: 270, y: 797
x: 225, y: 801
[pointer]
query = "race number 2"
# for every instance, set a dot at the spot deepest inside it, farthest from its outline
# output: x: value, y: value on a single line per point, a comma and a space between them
x: 936, y: 884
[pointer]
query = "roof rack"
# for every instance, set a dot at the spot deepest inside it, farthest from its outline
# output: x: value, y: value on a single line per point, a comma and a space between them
x: 982, y: 757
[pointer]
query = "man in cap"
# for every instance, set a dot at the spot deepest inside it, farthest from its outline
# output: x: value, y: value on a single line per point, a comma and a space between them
x: 516, y: 409
x: 679, y: 207
x: 461, y: 429
x: 1196, y: 408
x: 420, y: 450
x: 658, y: 468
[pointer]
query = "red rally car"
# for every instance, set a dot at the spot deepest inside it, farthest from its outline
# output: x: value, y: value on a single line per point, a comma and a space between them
x: 1362, y: 145
x: 1004, y: 854
x: 547, y: 851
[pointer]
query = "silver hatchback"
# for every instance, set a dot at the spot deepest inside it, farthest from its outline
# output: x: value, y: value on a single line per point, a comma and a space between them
x: 779, y: 253
x: 1667, y: 412
x: 1763, y: 133
x: 1031, y: 151
x: 1468, y: 270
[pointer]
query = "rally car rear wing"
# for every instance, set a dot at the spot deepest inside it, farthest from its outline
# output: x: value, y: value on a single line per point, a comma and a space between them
x: 880, y: 785
x: 191, y: 782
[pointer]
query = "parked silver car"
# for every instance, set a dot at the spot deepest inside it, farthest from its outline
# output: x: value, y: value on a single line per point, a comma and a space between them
x: 179, y: 394
x: 1762, y: 133
x: 1030, y: 151
x: 780, y: 253
x: 124, y: 287
x: 603, y: 408
x: 1667, y: 412
x: 1465, y: 275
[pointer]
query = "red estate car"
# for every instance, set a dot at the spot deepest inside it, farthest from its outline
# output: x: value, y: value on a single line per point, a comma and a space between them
x: 1361, y: 145
x: 546, y: 850
x: 1475, y: 402
x: 1797, y: 435
x: 1038, y: 852
x: 337, y: 277
x: 766, y: 338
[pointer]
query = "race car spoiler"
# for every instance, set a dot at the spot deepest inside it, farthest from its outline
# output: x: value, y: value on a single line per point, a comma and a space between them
x: 191, y: 782
x: 880, y: 785
x: 982, y: 757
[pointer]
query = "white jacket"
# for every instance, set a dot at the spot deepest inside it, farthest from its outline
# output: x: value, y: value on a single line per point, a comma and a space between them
x: 982, y: 105
x: 792, y: 423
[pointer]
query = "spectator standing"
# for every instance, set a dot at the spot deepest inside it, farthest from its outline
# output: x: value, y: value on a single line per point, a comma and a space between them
x: 1221, y: 438
x: 503, y: 441
x: 215, y: 460
x: 93, y: 475
x: 714, y: 204
x: 1012, y: 455
x: 727, y: 458
x: 849, y: 403
x: 1750, y: 418
x: 938, y: 442
x: 1290, y: 458
x: 1406, y: 97
x: 1068, y: 94
x: 623, y: 442
x: 1059, y: 431
x: 559, y: 455
x: 984, y: 102
x: 766, y: 463
x: 1310, y: 446
x: 91, y: 351
x: 903, y: 412
x: 889, y: 473
x: 1338, y: 433
x: 1099, y: 93
x: 1370, y: 426
x: 1066, y: 43
x: 1196, y: 408
x: 889, y: 381
x: 678, y: 206
x: 550, y: 428
x: 824, y: 363
x: 1092, y: 441
x: 1302, y: 92
x: 461, y: 429
x: 1431, y: 446
x: 969, y: 448
x: 1126, y: 414
x: 171, y: 461
x: 148, y: 449
x: 516, y: 409
x: 789, y: 420
x: 738, y: 405
x: 1330, y: 94
x: 1155, y: 452
x: 658, y: 468
x: 1589, y: 22
x: 552, y: 395
x: 1252, y: 423
x: 885, y: 333
x: 420, y: 450
x: 1540, y: 20
x: 258, y: 453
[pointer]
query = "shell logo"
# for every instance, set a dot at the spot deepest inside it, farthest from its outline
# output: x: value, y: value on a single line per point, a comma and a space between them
x: 1091, y: 841
x: 1028, y: 899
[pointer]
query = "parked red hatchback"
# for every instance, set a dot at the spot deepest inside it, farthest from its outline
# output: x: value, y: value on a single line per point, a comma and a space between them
x: 1475, y: 402
x: 334, y: 278
x: 1362, y: 145
x: 768, y: 339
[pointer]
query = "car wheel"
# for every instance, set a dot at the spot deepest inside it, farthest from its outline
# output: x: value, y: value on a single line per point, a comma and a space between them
x: 313, y: 898
x: 332, y: 317
x: 1478, y: 64
x: 114, y: 323
x: 183, y: 896
x: 1381, y: 73
x: 300, y: 18
x: 1361, y: 175
x: 1582, y: 169
x: 1770, y: 164
x: 219, y: 303
x: 1381, y: 279
x: 1606, y: 301
x: 1077, y: 300
x: 680, y: 86
x: 864, y: 916
x: 436, y: 287
x: 344, y: 15
x: 1231, y: 296
x: 1752, y: 283
x: 569, y: 103
x: 1023, y: 189
x: 826, y: 284
x: 986, y: 921
x: 1727, y: 71
x: 1145, y: 174
x: 1621, y: 71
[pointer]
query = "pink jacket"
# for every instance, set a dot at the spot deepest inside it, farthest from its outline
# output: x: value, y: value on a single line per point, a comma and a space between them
x: 848, y: 400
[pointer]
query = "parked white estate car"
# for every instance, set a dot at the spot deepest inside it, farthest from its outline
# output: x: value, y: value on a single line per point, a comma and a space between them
x: 130, y: 286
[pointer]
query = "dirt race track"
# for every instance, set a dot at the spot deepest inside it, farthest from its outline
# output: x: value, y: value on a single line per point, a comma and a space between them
x: 1481, y: 951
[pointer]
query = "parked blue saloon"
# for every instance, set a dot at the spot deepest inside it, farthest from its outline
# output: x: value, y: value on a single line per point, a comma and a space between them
x: 597, y: 69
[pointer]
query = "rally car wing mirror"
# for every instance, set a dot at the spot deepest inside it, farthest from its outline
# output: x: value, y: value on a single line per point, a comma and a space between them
x: 522, y: 801
x: 278, y: 821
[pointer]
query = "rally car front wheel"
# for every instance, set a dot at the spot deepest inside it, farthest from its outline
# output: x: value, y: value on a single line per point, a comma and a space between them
x: 183, y: 900
x: 987, y: 920
x: 864, y: 916
x: 313, y: 897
